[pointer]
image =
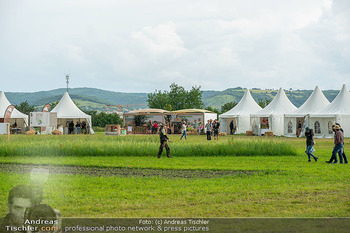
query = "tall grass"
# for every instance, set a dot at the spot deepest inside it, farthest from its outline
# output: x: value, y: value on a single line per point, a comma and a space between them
x: 99, y: 145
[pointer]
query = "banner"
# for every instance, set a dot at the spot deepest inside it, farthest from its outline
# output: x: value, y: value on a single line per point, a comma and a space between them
x: 43, y: 119
x: 46, y: 108
x: 8, y: 113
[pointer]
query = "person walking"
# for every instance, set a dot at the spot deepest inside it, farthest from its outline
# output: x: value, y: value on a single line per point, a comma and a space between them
x: 338, y: 145
x: 163, y: 142
x: 208, y: 128
x: 183, y: 130
x: 342, y: 153
x: 309, y: 134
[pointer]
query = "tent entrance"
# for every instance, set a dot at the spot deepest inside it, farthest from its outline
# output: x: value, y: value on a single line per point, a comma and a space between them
x: 232, y: 127
x: 264, y: 125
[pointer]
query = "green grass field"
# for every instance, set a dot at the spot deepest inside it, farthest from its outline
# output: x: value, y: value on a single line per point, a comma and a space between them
x: 282, y: 183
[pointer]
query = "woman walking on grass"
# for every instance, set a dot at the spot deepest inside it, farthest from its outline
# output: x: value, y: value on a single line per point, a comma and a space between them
x: 309, y: 134
x: 183, y: 129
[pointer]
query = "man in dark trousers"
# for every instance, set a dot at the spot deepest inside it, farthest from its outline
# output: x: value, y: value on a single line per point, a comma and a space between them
x: 216, y: 129
x: 309, y: 134
x: 163, y: 142
x: 70, y: 127
x: 341, y: 153
x: 231, y: 127
x: 299, y: 128
x: 338, y: 145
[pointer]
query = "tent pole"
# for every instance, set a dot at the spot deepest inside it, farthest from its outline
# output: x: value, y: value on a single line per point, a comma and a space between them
x: 8, y: 132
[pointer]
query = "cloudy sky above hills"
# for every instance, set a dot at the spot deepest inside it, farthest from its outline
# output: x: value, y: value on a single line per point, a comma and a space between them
x: 140, y: 46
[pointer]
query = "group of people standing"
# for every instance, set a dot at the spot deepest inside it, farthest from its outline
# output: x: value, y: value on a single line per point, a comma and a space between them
x: 80, y: 126
x: 152, y: 127
x: 212, y: 127
x: 338, y: 145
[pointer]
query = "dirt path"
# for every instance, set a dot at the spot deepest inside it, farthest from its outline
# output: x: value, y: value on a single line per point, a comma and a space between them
x: 121, y: 172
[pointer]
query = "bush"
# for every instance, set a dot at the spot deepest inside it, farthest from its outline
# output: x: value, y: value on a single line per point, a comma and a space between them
x: 98, y: 129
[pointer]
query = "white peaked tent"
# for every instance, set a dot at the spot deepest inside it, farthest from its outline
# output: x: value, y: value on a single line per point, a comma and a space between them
x: 16, y: 116
x: 67, y: 111
x: 336, y: 112
x: 240, y: 115
x: 313, y: 104
x: 271, y: 118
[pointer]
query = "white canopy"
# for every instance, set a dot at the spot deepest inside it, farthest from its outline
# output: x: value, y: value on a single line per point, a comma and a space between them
x: 336, y: 112
x: 4, y: 103
x: 66, y: 109
x: 274, y: 111
x: 280, y: 105
x: 313, y: 104
x: 339, y: 106
x: 240, y: 114
x: 246, y: 106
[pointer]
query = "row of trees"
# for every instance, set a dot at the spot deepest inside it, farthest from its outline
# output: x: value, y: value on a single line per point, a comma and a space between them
x: 177, y: 98
x: 101, y: 119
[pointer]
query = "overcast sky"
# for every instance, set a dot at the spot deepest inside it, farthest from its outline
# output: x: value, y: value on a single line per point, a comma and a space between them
x: 143, y: 45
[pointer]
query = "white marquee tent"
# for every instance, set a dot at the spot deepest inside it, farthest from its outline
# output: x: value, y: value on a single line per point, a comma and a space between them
x: 338, y: 111
x: 271, y: 118
x: 67, y: 111
x: 313, y: 104
x: 240, y: 115
x: 16, y: 116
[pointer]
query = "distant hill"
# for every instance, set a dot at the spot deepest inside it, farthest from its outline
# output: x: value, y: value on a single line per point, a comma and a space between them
x: 87, y: 98
x: 97, y: 99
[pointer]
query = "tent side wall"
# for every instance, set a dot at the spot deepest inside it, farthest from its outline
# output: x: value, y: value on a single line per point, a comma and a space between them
x: 344, y: 121
x: 293, y: 122
x: 223, y: 125
x: 255, y: 125
x: 323, y: 123
x: 243, y: 124
x: 277, y: 125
